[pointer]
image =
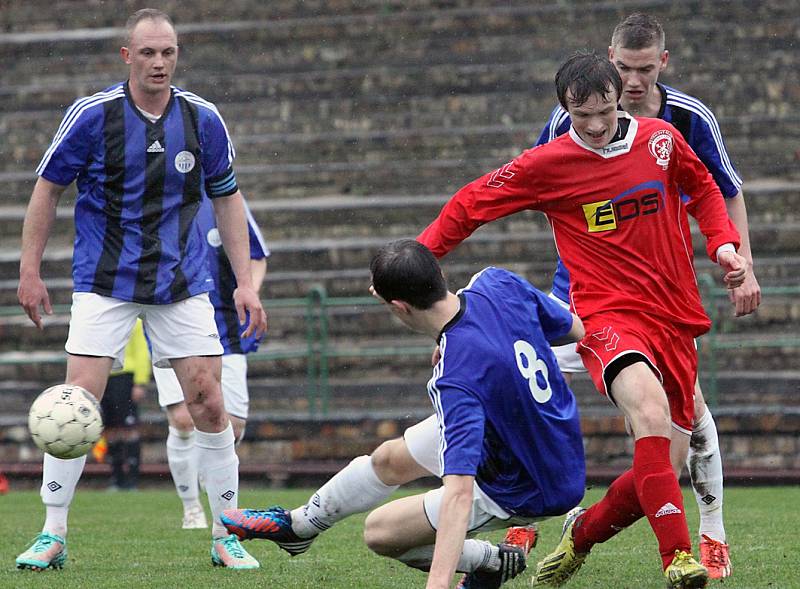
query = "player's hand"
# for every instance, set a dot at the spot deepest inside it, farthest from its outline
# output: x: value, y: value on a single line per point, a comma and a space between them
x: 735, y: 267
x: 32, y: 294
x: 138, y: 393
x: 747, y: 297
x: 247, y: 302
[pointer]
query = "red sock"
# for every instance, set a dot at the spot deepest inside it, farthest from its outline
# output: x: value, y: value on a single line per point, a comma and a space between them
x: 613, y: 513
x: 660, y: 496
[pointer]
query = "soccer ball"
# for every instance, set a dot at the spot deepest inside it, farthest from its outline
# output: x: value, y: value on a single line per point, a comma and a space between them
x: 65, y: 421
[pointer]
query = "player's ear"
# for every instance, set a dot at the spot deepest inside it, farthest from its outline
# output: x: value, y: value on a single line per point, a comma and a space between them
x: 401, y: 308
x: 611, y: 53
x: 663, y: 61
x: 125, y: 54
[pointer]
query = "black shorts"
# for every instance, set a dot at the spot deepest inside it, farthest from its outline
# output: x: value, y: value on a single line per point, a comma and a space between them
x: 119, y: 410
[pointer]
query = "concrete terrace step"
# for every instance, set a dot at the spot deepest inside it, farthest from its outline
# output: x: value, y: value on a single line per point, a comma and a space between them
x: 420, y: 30
x: 378, y: 392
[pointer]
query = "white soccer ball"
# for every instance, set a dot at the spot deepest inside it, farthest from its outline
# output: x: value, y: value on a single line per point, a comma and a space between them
x: 65, y: 421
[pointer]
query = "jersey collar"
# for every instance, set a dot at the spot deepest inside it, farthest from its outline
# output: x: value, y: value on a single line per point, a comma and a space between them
x: 461, y: 310
x: 620, y: 145
x: 139, y: 114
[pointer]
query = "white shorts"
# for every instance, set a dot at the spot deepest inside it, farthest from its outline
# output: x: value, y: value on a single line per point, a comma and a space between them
x: 101, y: 326
x: 485, y: 516
x: 234, y: 386
x: 422, y: 441
x: 567, y: 355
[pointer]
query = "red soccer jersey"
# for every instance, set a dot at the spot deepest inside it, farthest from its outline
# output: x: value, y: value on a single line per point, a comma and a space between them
x: 616, y: 213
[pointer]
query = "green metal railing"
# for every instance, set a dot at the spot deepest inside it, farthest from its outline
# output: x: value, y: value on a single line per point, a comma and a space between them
x: 710, y: 343
x: 319, y: 349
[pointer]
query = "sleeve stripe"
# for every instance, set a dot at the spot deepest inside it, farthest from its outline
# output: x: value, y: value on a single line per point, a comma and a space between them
x: 71, y: 117
x: 227, y: 187
x: 557, y: 118
x: 256, y: 230
x: 436, y: 399
x: 195, y: 99
x: 701, y: 110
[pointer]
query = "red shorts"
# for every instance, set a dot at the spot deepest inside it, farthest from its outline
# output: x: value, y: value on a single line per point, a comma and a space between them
x: 668, y: 348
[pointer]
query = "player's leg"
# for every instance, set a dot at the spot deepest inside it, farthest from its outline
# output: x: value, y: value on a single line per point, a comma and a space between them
x: 639, y: 394
x: 360, y: 486
x: 704, y: 462
x: 59, y: 480
x: 179, y: 334
x: 99, y: 329
x: 235, y: 393
x: 181, y: 451
x: 216, y: 453
x: 405, y: 529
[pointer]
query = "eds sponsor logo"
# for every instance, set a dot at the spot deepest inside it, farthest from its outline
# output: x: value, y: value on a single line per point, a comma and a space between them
x: 640, y: 201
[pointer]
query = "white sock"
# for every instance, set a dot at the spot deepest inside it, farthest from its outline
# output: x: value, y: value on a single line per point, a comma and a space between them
x: 354, y: 489
x: 59, y: 480
x: 182, y: 459
x: 705, y: 469
x: 219, y: 466
x: 476, y: 555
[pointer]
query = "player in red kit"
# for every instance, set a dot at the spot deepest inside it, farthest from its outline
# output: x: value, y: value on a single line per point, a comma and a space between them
x: 610, y: 189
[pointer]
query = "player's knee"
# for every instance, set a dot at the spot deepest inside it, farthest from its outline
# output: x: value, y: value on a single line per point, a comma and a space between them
x: 377, y: 536
x: 385, y: 463
x: 178, y: 417
x: 651, y: 418
x: 393, y: 463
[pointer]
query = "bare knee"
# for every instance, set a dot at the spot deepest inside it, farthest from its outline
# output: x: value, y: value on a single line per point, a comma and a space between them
x: 377, y: 535
x: 394, y: 465
x: 178, y: 416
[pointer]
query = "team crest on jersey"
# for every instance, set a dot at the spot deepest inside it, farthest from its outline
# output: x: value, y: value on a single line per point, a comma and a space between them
x: 660, y: 146
x: 184, y: 162
x: 213, y: 238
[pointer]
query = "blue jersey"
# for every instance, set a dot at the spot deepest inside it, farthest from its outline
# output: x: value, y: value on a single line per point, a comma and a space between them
x: 230, y: 331
x: 140, y: 185
x: 506, y: 415
x: 699, y: 127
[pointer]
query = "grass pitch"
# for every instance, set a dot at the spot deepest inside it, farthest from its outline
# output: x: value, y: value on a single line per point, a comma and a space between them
x: 134, y: 540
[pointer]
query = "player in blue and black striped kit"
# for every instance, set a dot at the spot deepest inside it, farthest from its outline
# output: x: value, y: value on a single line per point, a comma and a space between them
x: 144, y: 154
x: 509, y: 447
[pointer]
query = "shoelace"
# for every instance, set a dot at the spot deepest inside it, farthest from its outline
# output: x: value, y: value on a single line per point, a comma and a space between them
x: 233, y: 547
x: 716, y: 554
x: 43, y: 543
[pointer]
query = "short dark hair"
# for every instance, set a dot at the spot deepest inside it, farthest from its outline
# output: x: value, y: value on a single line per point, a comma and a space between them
x: 405, y: 270
x: 144, y: 14
x: 638, y: 31
x: 586, y: 73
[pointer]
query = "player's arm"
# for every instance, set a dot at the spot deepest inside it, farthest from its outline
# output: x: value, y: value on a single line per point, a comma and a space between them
x: 232, y: 225
x: 258, y: 271
x: 747, y: 297
x: 706, y: 141
x: 452, y: 530
x: 36, y: 228
x: 497, y: 194
x: 708, y: 207
x: 575, y: 333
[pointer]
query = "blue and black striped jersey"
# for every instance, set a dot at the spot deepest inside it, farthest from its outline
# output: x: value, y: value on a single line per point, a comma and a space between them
x: 699, y: 127
x: 225, y: 281
x: 140, y: 185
